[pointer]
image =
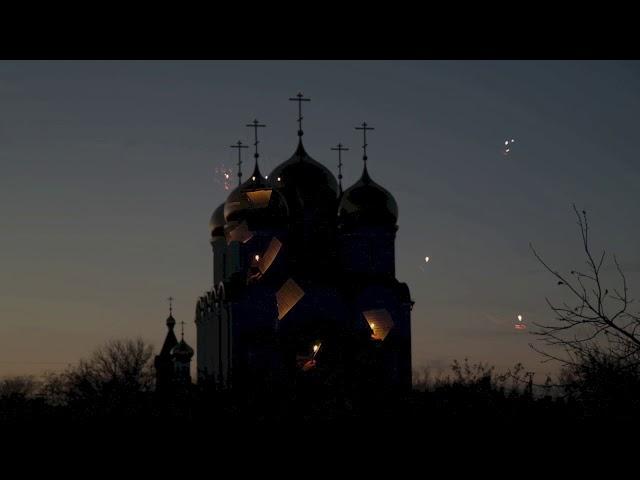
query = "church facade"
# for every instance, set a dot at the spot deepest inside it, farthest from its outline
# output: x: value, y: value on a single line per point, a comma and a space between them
x: 304, y: 286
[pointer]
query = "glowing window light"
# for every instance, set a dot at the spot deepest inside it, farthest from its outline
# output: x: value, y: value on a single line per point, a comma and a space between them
x: 269, y: 255
x: 259, y: 198
x: 380, y: 322
x: 287, y: 297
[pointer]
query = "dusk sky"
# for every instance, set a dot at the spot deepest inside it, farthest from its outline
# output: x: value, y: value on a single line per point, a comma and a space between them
x: 108, y: 179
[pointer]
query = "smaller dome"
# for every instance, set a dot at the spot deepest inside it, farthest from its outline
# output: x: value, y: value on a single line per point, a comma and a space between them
x: 367, y: 203
x: 182, y: 351
x: 171, y: 322
x: 216, y: 224
x: 255, y: 201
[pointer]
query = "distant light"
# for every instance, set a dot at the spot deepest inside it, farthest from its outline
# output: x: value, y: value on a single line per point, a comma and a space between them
x: 278, y: 178
x: 266, y: 176
x: 512, y: 140
x: 372, y: 325
x: 257, y: 257
x: 506, y: 142
x: 316, y: 348
x: 519, y: 318
x: 253, y: 178
x: 426, y: 259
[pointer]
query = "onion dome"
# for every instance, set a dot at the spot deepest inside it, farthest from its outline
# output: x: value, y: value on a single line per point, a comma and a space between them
x: 216, y: 224
x: 305, y: 182
x: 367, y: 204
x: 182, y: 351
x: 257, y: 202
x: 171, y: 322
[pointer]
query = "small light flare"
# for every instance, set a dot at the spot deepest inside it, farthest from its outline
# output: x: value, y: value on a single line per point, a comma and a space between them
x: 519, y: 318
x: 278, y: 178
x: 426, y: 259
x: 257, y: 257
x: 253, y: 178
x: 266, y: 176
x: 506, y: 142
x: 316, y: 347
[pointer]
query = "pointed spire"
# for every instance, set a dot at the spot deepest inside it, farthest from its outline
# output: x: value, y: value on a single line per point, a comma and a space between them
x: 300, y: 98
x: 170, y: 320
x: 255, y: 125
x: 182, y: 331
x: 239, y: 146
x: 364, y: 128
x: 340, y: 148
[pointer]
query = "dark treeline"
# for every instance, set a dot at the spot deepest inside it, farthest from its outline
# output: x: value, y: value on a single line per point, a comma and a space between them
x: 116, y: 385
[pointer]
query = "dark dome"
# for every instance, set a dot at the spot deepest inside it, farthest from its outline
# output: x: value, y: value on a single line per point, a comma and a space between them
x: 304, y: 181
x: 367, y: 203
x: 171, y: 322
x: 182, y: 351
x: 255, y: 201
x: 216, y: 224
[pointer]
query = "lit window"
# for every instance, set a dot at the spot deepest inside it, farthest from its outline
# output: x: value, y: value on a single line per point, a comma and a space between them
x: 269, y: 255
x: 287, y: 297
x: 259, y: 198
x: 380, y: 322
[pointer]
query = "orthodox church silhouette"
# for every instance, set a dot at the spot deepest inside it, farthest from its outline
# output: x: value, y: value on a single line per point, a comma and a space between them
x: 173, y: 363
x: 304, y: 287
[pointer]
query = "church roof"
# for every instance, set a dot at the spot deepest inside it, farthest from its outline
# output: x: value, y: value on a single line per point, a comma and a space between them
x: 170, y: 341
x: 255, y: 201
x: 367, y: 203
x: 304, y: 181
x: 216, y: 224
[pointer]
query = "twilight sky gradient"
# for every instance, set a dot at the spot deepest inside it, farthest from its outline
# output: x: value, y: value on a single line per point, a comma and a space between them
x: 107, y: 185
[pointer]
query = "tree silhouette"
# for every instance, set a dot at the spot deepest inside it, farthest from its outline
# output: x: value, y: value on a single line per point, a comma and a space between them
x: 599, y: 321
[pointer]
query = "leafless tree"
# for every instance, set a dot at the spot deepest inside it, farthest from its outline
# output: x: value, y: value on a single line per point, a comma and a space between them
x: 20, y: 386
x: 115, y: 371
x: 598, y: 323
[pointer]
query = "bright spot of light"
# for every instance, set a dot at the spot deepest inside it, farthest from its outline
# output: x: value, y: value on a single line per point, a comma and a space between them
x: 519, y: 318
x: 253, y: 178
x: 316, y: 347
x: 278, y: 178
x: 257, y: 257
x: 426, y: 259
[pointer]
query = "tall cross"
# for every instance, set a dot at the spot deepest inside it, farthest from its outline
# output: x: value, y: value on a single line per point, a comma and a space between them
x: 255, y: 125
x: 364, y: 129
x: 339, y: 148
x: 300, y: 98
x: 239, y: 146
x: 170, y: 305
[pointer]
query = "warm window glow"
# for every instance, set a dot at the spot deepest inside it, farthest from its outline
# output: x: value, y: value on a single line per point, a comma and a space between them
x: 259, y: 198
x: 287, y: 297
x: 380, y: 322
x: 269, y: 255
